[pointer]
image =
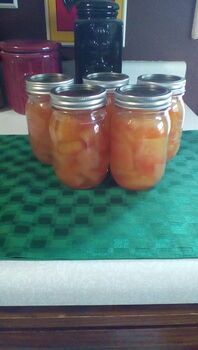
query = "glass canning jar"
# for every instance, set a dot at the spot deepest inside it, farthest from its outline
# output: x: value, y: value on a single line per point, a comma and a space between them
x: 139, y: 135
x: 177, y: 111
x: 79, y: 134
x: 110, y: 81
x: 38, y: 111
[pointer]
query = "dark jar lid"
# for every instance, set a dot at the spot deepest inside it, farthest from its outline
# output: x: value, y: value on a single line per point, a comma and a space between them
x: 97, y: 9
x: 29, y: 46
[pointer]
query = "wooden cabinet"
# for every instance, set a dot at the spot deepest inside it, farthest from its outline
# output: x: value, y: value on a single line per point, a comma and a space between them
x: 117, y: 327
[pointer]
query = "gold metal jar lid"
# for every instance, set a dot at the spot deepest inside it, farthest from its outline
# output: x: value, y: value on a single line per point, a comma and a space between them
x: 147, y: 97
x: 78, y: 97
x: 108, y: 80
x: 43, y: 83
x: 173, y: 82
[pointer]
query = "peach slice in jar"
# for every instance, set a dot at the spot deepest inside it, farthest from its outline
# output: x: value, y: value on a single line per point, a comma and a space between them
x: 139, y: 137
x: 38, y: 111
x: 176, y: 84
x: 177, y: 115
x: 79, y: 136
x: 38, y: 114
x: 110, y: 81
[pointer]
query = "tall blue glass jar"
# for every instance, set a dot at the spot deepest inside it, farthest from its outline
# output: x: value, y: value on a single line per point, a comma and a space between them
x: 98, y: 38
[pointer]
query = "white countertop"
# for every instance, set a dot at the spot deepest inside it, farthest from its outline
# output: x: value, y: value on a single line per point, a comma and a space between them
x: 12, y: 123
x: 104, y: 282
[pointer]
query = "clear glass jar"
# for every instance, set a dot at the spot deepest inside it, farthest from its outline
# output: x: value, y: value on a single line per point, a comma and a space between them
x: 177, y: 115
x: 80, y: 136
x: 110, y: 81
x: 177, y: 111
x: 139, y: 136
x: 38, y: 111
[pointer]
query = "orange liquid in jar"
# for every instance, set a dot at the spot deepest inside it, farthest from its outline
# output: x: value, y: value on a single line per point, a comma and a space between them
x: 138, y: 147
x: 38, y: 112
x: 176, y: 113
x: 110, y: 106
x: 80, y: 147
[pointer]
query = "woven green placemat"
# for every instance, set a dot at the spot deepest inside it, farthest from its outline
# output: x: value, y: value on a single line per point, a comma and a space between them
x: 42, y: 219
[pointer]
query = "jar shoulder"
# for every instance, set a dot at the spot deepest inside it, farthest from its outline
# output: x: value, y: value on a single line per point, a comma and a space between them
x: 98, y: 22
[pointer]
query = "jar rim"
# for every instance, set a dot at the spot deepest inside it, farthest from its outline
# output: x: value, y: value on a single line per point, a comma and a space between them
x: 173, y: 82
x: 43, y: 83
x: 78, y: 97
x: 147, y: 97
x: 108, y: 80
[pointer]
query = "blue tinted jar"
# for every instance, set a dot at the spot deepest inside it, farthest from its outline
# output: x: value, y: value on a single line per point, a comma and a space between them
x: 98, y: 38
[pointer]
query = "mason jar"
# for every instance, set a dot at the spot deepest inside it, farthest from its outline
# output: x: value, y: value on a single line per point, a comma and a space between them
x: 139, y: 135
x: 38, y: 111
x: 79, y: 134
x: 177, y: 111
x: 110, y: 81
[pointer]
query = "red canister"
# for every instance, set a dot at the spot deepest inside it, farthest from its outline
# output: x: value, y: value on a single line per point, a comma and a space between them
x: 22, y: 58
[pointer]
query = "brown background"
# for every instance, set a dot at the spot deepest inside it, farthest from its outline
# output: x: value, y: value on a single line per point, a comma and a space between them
x: 156, y: 30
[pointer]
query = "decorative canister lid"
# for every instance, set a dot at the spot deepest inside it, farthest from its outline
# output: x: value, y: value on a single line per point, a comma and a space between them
x: 29, y: 46
x: 173, y: 82
x: 108, y: 80
x: 78, y: 97
x: 43, y: 83
x: 150, y: 97
x: 97, y: 9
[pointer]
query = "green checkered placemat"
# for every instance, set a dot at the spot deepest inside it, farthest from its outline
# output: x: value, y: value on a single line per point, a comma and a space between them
x: 42, y: 219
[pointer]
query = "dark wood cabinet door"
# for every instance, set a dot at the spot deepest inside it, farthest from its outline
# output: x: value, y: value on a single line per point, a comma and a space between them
x: 103, y: 327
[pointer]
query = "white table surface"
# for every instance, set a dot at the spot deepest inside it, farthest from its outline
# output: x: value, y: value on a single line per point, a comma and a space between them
x: 104, y: 282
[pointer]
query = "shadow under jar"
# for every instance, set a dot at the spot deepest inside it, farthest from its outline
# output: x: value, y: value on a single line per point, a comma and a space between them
x: 177, y: 111
x: 38, y: 111
x: 110, y: 81
x: 139, y: 136
x: 80, y: 135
